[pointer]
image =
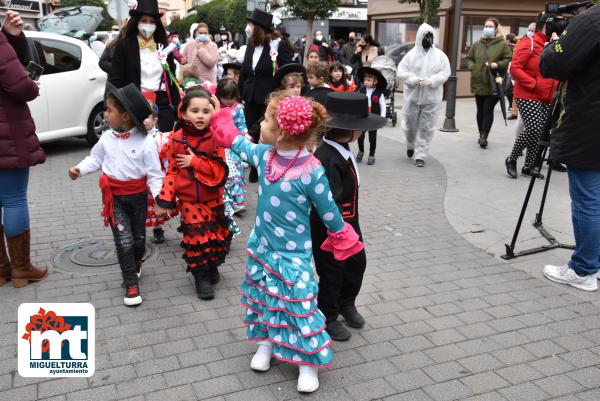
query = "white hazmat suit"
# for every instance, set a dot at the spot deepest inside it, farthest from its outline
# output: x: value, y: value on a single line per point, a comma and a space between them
x: 424, y: 72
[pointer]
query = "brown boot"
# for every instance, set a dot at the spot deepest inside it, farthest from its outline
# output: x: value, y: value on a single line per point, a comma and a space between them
x: 22, y: 270
x: 4, y: 262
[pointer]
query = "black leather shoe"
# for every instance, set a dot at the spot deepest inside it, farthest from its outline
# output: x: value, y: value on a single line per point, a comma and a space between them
x: 337, y: 332
x: 204, y: 289
x: 353, y: 318
x: 511, y: 168
x: 527, y: 171
x: 410, y: 153
x: 420, y: 163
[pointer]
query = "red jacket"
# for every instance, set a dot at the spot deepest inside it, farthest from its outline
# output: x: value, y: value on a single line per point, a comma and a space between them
x: 19, y: 145
x: 203, y: 181
x: 525, y: 71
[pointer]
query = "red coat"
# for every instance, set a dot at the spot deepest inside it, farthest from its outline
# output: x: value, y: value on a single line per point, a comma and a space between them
x: 19, y: 144
x: 203, y: 181
x: 525, y: 71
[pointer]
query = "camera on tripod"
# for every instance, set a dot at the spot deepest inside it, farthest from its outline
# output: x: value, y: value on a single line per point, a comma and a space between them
x: 557, y: 15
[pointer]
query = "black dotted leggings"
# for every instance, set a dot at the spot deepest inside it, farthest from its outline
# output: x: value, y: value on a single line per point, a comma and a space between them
x: 534, y: 114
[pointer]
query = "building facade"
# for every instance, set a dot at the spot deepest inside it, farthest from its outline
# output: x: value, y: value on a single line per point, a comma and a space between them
x: 30, y: 10
x: 393, y: 25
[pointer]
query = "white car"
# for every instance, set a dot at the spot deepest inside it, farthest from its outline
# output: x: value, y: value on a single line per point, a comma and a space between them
x: 72, y: 88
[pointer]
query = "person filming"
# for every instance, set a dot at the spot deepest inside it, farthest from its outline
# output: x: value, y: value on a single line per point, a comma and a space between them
x: 574, y: 58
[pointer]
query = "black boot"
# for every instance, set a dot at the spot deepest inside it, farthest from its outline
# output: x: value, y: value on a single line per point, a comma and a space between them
x: 483, y: 142
x: 556, y: 166
x: 353, y: 318
x: 159, y: 235
x: 215, y: 277
x: 511, y: 168
x: 337, y: 332
x: 203, y: 287
x: 531, y: 172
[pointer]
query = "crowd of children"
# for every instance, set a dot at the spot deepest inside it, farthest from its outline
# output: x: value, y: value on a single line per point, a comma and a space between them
x: 306, y: 195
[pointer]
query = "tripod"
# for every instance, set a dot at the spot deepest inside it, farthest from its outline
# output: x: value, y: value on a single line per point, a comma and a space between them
x: 553, y: 116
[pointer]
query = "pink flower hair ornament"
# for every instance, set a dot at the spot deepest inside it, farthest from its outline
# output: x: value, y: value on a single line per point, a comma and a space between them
x: 294, y: 115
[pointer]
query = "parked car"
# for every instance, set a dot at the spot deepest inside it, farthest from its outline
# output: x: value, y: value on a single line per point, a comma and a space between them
x: 72, y: 85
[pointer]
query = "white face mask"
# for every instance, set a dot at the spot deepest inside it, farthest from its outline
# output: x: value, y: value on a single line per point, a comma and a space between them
x: 529, y: 34
x: 248, y: 30
x: 319, y: 38
x: 147, y: 30
x: 224, y: 37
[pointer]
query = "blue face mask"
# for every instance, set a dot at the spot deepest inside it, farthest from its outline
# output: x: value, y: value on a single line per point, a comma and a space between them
x: 202, y: 37
x: 488, y: 32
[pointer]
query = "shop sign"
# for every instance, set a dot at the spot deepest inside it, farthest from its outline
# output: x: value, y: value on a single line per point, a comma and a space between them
x: 350, y: 13
x: 22, y: 5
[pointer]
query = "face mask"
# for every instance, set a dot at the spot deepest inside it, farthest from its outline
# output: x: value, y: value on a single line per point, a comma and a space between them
x: 224, y: 37
x: 248, y: 30
x: 202, y: 37
x: 147, y: 30
x: 319, y: 38
x: 488, y: 32
x: 427, y: 41
x: 529, y: 34
x: 352, y: 40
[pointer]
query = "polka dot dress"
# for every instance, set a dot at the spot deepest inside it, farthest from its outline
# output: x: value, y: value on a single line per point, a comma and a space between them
x: 534, y: 114
x: 279, y: 289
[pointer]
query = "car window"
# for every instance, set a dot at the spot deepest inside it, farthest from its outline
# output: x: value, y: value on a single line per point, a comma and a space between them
x: 57, y: 56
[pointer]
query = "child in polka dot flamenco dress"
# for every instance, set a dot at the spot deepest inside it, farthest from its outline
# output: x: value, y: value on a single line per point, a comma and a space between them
x: 279, y: 289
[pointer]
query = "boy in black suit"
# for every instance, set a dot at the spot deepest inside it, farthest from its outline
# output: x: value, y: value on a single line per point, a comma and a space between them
x: 340, y: 281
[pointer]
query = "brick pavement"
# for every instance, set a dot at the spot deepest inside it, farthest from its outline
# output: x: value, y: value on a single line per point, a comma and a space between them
x: 445, y: 320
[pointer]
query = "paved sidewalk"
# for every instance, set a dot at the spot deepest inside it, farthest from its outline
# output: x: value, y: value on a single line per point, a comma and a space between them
x: 445, y: 320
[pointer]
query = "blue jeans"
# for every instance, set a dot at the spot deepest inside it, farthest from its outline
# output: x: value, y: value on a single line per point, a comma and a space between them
x: 14, y: 213
x: 584, y: 188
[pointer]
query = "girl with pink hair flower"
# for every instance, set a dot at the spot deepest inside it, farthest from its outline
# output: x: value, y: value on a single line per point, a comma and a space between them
x: 279, y: 290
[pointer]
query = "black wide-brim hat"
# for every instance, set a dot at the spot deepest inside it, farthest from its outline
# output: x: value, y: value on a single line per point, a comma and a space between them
x: 134, y: 103
x: 235, y: 66
x: 262, y: 19
x: 146, y: 7
x: 350, y: 111
x: 381, y: 81
x: 283, y: 31
x: 288, y: 69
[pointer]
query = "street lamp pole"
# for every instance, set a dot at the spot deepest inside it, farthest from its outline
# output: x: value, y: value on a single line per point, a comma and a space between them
x: 449, y: 122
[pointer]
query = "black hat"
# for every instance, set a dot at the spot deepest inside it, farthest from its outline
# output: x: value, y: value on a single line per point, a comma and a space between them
x: 236, y: 65
x: 262, y: 19
x: 134, y: 103
x: 283, y: 32
x: 223, y: 29
x: 350, y: 111
x: 288, y: 69
x: 146, y: 7
x: 381, y: 81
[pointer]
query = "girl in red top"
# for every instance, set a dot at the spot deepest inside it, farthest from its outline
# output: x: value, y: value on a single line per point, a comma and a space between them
x: 533, y: 94
x: 194, y: 184
x: 338, y: 79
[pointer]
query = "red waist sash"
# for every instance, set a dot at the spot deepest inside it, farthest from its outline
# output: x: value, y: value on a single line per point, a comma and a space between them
x: 112, y: 186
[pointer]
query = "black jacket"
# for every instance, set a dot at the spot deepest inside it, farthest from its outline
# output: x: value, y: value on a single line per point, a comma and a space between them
x: 255, y: 85
x: 125, y: 67
x: 343, y: 182
x: 319, y: 94
x: 575, y: 59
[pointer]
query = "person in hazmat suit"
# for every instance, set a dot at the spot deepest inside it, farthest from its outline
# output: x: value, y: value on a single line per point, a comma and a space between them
x: 424, y: 70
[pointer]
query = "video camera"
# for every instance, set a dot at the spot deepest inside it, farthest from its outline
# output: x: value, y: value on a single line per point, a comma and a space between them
x: 556, y: 21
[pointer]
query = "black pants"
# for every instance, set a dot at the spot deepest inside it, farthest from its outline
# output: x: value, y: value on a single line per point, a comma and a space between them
x: 166, y: 112
x: 485, y: 112
x: 129, y: 232
x: 372, y: 142
x: 339, y: 281
x: 253, y: 113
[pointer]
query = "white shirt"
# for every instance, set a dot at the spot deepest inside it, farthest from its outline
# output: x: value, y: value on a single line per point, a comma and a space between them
x: 125, y: 159
x: 98, y: 47
x: 151, y: 71
x: 256, y: 56
x: 346, y: 154
x: 382, y: 105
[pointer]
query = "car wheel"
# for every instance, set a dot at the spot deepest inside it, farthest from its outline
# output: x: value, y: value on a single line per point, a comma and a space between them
x: 96, y: 125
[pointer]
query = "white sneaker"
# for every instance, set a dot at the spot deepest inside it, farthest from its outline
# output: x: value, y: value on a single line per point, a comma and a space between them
x: 308, y: 379
x: 261, y: 361
x: 566, y: 275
